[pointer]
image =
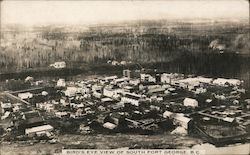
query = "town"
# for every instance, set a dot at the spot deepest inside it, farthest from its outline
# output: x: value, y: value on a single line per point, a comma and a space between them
x: 215, y: 110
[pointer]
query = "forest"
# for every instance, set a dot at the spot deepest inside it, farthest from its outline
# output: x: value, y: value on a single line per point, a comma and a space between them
x: 204, y: 48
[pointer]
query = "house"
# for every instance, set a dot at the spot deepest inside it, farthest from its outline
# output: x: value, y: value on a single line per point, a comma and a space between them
x: 112, y: 93
x: 180, y: 119
x: 120, y: 80
x: 131, y: 98
x: 147, y: 78
x: 97, y: 88
x: 39, y: 130
x: 110, y: 78
x: 109, y: 125
x: 71, y: 91
x: 190, y: 102
x: 58, y: 65
x: 18, y: 107
x: 101, y: 108
x: 44, y: 93
x: 128, y: 89
x: 134, y: 81
x: 106, y: 100
x: 127, y: 73
x: 156, y: 91
x: 167, y: 114
x: 225, y: 82
x: 45, y: 106
x: 24, y: 96
x: 200, y: 90
x: 115, y: 63
x: 123, y: 62
x: 62, y: 114
x: 32, y: 118
x: 29, y: 79
x: 170, y: 78
x: 6, y: 107
x: 61, y: 83
x: 97, y: 94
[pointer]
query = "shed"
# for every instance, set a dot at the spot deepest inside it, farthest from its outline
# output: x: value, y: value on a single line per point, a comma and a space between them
x: 39, y: 129
x: 190, y: 102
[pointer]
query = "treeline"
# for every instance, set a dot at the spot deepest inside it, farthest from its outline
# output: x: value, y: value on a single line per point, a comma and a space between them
x: 96, y: 46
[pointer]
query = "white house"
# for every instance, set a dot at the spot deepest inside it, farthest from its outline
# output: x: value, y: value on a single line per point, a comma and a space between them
x: 181, y: 120
x: 223, y: 82
x: 58, y: 65
x: 131, y: 98
x: 120, y: 80
x: 190, y: 102
x: 147, y: 78
x: 112, y: 93
x: 39, y: 130
x: 61, y: 83
x: 25, y: 95
x: 61, y: 114
x: 6, y: 107
x: 71, y: 91
x: 167, y: 114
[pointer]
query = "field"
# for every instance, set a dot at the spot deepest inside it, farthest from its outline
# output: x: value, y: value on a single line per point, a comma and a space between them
x: 100, y: 141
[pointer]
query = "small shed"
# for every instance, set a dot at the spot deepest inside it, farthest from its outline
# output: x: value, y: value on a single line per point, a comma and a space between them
x: 190, y: 102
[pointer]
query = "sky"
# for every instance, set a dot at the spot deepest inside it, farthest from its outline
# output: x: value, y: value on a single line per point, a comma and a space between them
x: 96, y: 12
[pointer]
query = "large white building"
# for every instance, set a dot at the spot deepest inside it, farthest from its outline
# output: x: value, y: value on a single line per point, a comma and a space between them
x: 190, y: 102
x: 39, y: 130
x: 58, y: 65
x: 131, y: 98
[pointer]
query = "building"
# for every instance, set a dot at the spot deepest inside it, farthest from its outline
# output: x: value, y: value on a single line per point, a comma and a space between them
x: 127, y: 73
x: 121, y: 80
x: 24, y: 96
x: 167, y: 114
x: 224, y: 82
x: 6, y: 107
x: 190, y: 102
x: 181, y: 120
x: 39, y: 130
x: 62, y: 114
x: 110, y: 78
x: 58, y: 65
x: 61, y: 83
x: 147, y: 78
x: 112, y: 93
x: 72, y: 91
x: 157, y: 78
x: 131, y: 98
x: 156, y: 91
x: 97, y: 94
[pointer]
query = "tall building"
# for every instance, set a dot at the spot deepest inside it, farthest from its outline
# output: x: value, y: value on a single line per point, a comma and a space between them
x: 127, y: 73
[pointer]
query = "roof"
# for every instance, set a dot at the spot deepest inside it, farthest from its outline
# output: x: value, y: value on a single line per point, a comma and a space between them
x: 106, y: 99
x: 111, y: 77
x: 156, y: 90
x: 34, y: 120
x: 228, y: 119
x: 224, y: 81
x: 167, y: 114
x: 6, y: 105
x: 182, y: 118
x: 39, y: 129
x: 132, y: 96
x: 31, y: 114
x: 190, y: 100
x: 121, y: 80
x: 109, y: 125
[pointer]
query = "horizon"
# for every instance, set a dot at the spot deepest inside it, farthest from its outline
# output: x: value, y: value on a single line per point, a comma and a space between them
x: 33, y: 13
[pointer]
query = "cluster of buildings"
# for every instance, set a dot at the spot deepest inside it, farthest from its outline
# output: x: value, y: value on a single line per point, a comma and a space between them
x: 137, y: 101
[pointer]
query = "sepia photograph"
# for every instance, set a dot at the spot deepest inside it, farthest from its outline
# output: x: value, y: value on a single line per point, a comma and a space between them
x: 126, y: 77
